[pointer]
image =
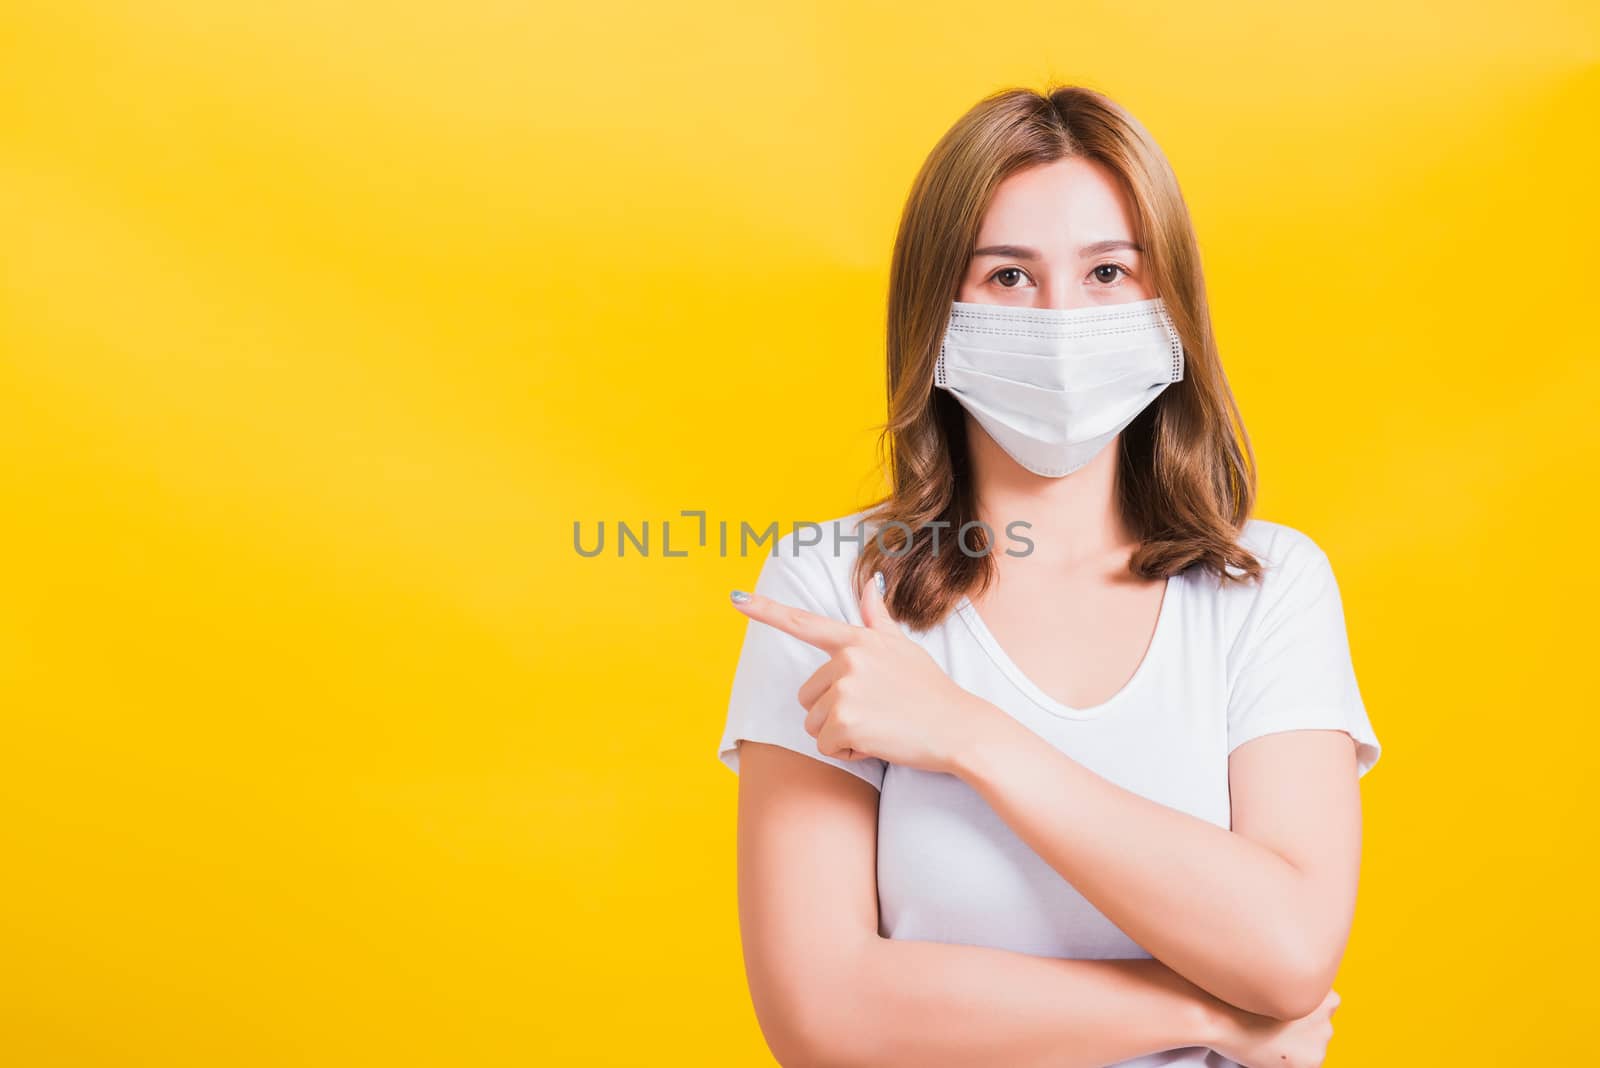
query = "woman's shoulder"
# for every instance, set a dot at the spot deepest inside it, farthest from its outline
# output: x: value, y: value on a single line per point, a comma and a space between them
x: 1279, y: 546
x: 1295, y: 571
x: 811, y: 565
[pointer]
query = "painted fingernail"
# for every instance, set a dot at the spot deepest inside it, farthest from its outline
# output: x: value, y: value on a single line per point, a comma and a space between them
x: 883, y: 587
x: 739, y: 596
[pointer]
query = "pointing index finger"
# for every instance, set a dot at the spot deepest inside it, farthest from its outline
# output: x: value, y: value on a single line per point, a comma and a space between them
x: 829, y: 635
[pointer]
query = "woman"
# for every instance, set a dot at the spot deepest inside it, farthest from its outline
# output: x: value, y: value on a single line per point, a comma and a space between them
x: 1083, y: 792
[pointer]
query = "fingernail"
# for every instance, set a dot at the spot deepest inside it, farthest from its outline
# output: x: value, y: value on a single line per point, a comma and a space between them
x: 883, y: 586
x: 739, y: 596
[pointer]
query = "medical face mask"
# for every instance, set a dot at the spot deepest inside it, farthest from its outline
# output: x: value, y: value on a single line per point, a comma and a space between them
x: 1053, y: 387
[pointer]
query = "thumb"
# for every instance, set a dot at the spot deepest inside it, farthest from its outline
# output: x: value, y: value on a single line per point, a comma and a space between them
x: 874, y: 613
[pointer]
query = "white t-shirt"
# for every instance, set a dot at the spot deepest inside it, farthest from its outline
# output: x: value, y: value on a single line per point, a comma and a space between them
x: 1225, y: 664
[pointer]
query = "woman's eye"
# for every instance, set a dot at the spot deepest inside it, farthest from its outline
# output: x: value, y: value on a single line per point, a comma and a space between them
x: 1009, y: 277
x: 1107, y: 273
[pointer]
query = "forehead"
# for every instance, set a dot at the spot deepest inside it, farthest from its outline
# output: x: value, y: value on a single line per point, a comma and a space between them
x: 1058, y: 205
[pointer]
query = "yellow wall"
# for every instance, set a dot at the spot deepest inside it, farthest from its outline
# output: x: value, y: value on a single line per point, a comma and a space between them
x: 321, y: 323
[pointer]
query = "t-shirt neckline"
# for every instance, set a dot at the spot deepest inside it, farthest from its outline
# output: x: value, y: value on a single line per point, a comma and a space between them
x: 1002, y: 660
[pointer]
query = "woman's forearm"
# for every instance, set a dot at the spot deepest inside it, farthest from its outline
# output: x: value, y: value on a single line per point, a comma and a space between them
x: 933, y: 1004
x: 1220, y: 909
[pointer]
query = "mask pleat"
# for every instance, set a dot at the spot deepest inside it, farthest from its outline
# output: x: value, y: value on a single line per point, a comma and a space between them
x: 1052, y: 386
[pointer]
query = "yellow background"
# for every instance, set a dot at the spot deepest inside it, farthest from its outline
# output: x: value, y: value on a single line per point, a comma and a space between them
x: 321, y: 323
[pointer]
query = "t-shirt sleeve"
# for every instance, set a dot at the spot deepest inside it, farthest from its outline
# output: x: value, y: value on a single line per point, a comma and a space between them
x: 1290, y: 666
x: 764, y: 705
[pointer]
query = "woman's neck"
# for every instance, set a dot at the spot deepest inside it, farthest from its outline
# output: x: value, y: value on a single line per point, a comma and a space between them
x: 1073, y: 521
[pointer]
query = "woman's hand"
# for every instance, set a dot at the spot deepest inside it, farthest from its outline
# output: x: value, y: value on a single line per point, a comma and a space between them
x: 881, y: 694
x: 1264, y: 1042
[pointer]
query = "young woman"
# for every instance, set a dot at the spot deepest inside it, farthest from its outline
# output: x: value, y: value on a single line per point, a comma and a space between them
x: 1050, y: 757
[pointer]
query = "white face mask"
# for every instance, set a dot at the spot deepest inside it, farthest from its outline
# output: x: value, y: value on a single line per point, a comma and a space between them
x: 1053, y: 387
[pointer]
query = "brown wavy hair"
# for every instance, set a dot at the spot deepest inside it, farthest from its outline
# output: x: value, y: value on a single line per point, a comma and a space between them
x: 1186, y: 475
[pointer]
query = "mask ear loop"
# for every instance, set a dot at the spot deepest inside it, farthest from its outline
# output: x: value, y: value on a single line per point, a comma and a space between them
x: 1175, y: 343
x: 938, y: 368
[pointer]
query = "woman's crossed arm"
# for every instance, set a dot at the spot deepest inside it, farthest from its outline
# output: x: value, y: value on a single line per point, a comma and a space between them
x: 828, y: 990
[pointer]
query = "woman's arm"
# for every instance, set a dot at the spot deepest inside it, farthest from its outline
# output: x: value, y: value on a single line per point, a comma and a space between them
x: 828, y: 990
x: 1257, y: 915
x: 933, y: 1003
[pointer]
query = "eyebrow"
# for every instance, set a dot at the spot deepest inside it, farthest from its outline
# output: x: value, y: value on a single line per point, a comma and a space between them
x: 1023, y: 252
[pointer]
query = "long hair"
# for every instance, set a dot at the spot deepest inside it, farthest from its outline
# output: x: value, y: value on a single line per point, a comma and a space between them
x: 1186, y: 475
